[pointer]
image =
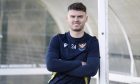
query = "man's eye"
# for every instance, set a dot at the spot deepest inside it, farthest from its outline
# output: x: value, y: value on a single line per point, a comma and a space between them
x: 72, y: 16
x: 80, y: 16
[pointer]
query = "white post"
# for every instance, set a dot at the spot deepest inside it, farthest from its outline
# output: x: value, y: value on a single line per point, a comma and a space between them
x: 103, y: 41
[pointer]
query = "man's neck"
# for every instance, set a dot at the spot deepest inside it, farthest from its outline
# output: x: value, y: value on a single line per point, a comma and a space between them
x: 76, y: 34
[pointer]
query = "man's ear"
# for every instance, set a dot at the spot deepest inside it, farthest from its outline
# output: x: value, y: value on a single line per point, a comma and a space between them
x: 66, y: 17
x: 86, y: 18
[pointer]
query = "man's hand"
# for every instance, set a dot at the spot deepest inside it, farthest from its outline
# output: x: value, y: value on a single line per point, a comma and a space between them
x: 83, y: 63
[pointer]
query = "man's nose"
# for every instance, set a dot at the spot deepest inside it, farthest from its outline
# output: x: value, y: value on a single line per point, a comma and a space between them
x: 76, y: 19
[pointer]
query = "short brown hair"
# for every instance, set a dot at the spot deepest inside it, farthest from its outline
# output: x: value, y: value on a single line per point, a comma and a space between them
x: 77, y: 6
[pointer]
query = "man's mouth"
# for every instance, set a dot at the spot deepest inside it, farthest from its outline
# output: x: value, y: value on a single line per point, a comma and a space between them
x: 76, y: 23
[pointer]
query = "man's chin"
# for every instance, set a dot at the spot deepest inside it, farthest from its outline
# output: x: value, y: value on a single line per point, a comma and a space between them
x: 77, y: 30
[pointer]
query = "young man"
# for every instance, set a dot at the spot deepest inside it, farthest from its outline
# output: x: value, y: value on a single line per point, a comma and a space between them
x: 73, y: 57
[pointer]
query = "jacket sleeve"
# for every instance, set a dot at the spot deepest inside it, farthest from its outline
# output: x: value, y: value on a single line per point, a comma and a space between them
x: 93, y: 62
x: 53, y: 61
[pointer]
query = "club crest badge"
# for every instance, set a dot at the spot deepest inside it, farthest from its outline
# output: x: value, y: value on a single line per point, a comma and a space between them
x: 82, y: 46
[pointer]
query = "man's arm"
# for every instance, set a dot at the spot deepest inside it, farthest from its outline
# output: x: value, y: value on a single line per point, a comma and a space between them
x: 53, y: 61
x: 91, y: 66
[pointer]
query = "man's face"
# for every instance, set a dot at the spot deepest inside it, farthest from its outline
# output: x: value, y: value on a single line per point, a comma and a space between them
x: 76, y: 20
